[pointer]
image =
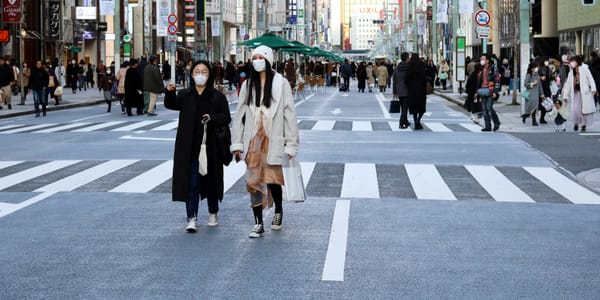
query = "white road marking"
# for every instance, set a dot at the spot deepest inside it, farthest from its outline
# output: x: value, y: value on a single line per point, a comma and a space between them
x: 427, y: 182
x: 360, y: 181
x: 361, y: 126
x: 28, y: 128
x: 129, y: 137
x: 307, y: 170
x: 335, y: 260
x: 6, y: 164
x: 168, y: 126
x: 16, y: 178
x: 148, y: 180
x: 232, y: 173
x: 74, y: 181
x: 471, y: 127
x: 12, y: 208
x: 395, y: 126
x: 99, y: 126
x: 497, y: 185
x: 564, y: 186
x: 324, y: 125
x: 380, y: 98
x: 63, y: 127
x: 136, y: 125
x: 10, y: 126
x: 87, y: 118
x: 437, y: 127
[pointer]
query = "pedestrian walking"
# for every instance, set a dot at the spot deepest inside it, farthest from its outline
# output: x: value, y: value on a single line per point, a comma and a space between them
x: 486, y: 83
x: 361, y: 75
x: 579, y: 91
x: 152, y: 83
x: 560, y: 113
x: 38, y: 81
x: 545, y: 79
x: 443, y: 73
x: 417, y: 89
x: 472, y: 103
x: 595, y: 70
x: 105, y: 83
x: 431, y: 72
x: 400, y: 88
x: 72, y: 75
x: 89, y: 76
x: 264, y: 130
x: 370, y: 76
x: 200, y: 107
x: 382, y: 77
x: 507, y: 74
x: 26, y: 73
x: 533, y: 85
x: 81, y: 71
x: 346, y: 71
x: 52, y: 85
x: 133, y: 89
x: 120, y: 77
x: 7, y: 78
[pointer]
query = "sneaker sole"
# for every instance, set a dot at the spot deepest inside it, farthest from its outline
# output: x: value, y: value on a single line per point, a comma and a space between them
x: 276, y: 227
x: 254, y: 235
x: 212, y: 224
x: 191, y: 230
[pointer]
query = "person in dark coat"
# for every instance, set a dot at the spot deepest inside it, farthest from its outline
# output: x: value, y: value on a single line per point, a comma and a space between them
x: 400, y: 88
x: 38, y: 82
x: 416, y: 83
x: 546, y: 77
x: 73, y: 75
x: 473, y: 104
x: 361, y: 75
x: 200, y: 102
x: 133, y: 89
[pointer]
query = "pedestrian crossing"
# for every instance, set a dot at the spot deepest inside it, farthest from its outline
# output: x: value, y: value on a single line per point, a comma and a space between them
x: 322, y: 179
x: 170, y: 125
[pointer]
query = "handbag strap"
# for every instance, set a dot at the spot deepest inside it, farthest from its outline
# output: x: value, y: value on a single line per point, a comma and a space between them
x: 204, y: 135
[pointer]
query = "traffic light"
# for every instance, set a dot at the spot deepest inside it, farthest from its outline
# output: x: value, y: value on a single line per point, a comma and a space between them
x: 588, y: 2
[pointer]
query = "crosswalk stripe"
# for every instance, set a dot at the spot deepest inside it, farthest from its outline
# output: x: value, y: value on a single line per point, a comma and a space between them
x: 6, y: 164
x: 396, y: 127
x: 232, y: 173
x: 324, y: 125
x: 307, y: 170
x: 74, y: 181
x: 99, y: 126
x: 5, y: 207
x: 497, y: 185
x: 27, y: 128
x: 361, y: 126
x: 437, y: 127
x: 136, y: 125
x: 148, y: 180
x: 471, y: 127
x: 360, y: 181
x: 10, y: 126
x: 166, y: 127
x: 16, y: 178
x: 427, y: 182
x: 563, y: 185
x: 63, y: 127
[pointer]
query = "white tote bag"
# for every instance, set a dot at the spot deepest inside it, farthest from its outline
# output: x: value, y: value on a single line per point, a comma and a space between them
x: 293, y: 188
x: 202, y: 160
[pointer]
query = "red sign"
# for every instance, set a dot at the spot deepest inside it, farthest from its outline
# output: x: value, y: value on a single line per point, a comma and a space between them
x: 482, y: 17
x: 172, y: 29
x: 11, y: 11
x: 4, y: 36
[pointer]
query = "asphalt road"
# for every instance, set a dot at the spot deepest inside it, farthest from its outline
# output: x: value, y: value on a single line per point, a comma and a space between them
x: 447, y: 212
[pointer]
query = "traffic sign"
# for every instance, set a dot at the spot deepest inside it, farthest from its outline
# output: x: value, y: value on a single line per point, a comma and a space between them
x: 482, y: 17
x: 172, y: 29
x: 172, y: 19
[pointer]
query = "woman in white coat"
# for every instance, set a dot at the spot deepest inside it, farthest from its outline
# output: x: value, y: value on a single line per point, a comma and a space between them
x: 579, y: 90
x: 263, y: 131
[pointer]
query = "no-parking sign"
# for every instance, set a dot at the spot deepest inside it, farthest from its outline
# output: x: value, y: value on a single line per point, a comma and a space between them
x: 482, y: 17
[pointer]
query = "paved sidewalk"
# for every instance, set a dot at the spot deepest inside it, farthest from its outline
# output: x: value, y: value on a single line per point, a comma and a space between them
x: 69, y: 100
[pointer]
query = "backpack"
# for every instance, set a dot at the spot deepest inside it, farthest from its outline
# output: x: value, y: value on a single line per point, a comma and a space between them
x: 507, y: 72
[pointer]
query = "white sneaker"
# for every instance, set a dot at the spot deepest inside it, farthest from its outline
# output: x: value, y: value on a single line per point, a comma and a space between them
x: 277, y: 220
x: 213, y: 220
x: 191, y: 225
x: 257, y: 231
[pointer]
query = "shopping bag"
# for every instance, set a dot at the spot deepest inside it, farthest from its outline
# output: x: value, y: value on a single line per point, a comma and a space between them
x: 394, y: 106
x: 202, y: 160
x: 293, y: 185
x: 548, y: 104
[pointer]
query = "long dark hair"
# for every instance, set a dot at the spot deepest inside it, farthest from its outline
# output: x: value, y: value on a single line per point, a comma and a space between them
x: 254, y: 83
x: 531, y: 67
x: 210, y: 83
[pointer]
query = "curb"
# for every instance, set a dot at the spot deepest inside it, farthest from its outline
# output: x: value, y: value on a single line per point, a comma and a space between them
x: 449, y: 98
x: 52, y: 108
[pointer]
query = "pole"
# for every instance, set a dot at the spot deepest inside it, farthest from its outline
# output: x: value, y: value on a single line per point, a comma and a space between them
x: 524, y: 37
x: 484, y: 41
x: 117, y: 26
x: 21, y: 55
x: 173, y: 44
x: 221, y: 34
x: 455, y: 26
x: 434, y: 42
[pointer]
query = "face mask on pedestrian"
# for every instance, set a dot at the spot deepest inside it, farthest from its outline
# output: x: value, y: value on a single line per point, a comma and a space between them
x: 535, y: 70
x: 200, y: 79
x: 73, y: 62
x: 546, y: 63
x: 573, y: 64
x: 259, y: 65
x: 482, y: 62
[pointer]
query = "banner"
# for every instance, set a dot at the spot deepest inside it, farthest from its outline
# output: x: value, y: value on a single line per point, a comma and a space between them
x: 163, y: 10
x: 11, y: 11
x: 421, y: 24
x: 442, y: 12
x: 107, y: 7
x: 215, y: 25
x: 465, y: 6
x: 54, y: 17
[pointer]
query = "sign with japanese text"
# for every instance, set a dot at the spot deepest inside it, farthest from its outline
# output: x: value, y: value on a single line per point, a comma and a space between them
x: 11, y: 11
x: 54, y: 20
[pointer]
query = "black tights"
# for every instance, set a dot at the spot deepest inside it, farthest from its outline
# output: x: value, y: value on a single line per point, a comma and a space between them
x: 276, y: 193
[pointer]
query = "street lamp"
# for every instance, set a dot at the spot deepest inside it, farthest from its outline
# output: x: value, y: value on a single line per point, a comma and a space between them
x: 21, y: 55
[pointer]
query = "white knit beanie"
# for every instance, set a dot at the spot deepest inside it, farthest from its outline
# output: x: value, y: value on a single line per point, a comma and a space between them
x: 266, y: 52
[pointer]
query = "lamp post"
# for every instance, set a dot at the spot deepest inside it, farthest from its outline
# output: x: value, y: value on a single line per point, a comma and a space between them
x: 22, y: 34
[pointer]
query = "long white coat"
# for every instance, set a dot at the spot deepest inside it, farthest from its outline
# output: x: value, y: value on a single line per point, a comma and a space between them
x: 283, y: 136
x: 588, y: 87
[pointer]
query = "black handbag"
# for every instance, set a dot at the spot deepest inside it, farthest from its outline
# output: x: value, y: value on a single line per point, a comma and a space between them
x: 395, y: 106
x: 437, y: 81
x: 223, y: 134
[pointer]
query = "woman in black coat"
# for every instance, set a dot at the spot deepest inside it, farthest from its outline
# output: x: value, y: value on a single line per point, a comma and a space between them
x: 200, y: 103
x: 416, y: 83
x: 133, y: 89
x: 361, y: 75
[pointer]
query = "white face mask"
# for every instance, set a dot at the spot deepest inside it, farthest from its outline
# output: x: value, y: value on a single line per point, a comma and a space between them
x: 482, y: 62
x: 108, y: 71
x: 573, y: 64
x: 259, y: 65
x: 535, y: 70
x: 546, y: 63
x: 200, y: 80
